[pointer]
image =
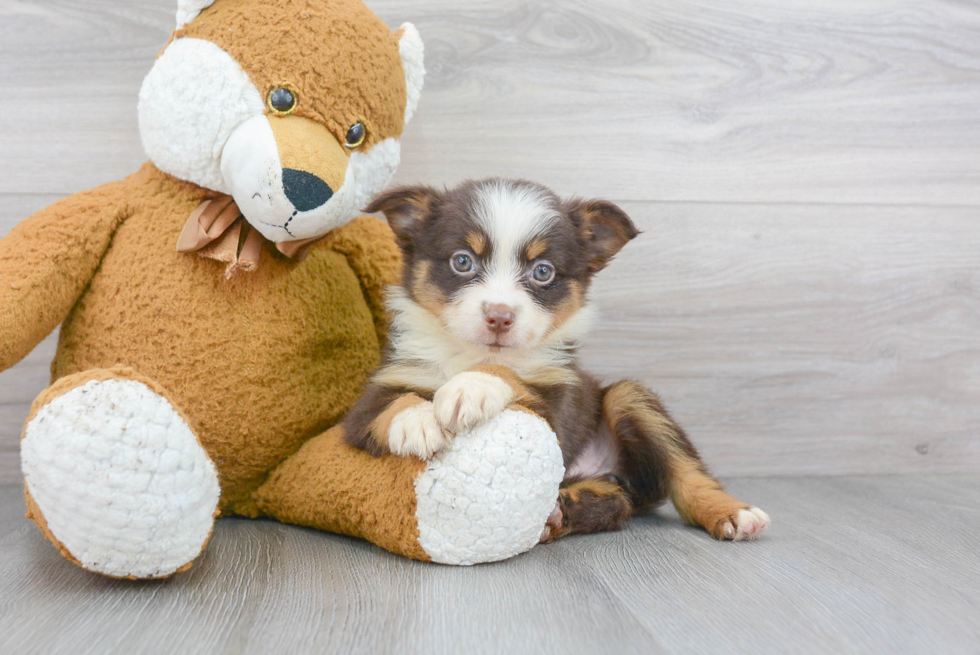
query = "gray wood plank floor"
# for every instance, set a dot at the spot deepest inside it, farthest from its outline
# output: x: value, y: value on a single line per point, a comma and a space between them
x: 807, y: 175
x: 884, y: 564
x: 805, y: 298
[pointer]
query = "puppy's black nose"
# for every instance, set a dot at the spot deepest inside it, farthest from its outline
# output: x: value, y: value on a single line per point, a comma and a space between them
x: 305, y: 190
x: 499, y: 318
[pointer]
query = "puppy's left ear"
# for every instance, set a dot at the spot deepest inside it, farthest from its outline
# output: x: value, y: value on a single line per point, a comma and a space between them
x: 605, y: 229
x: 406, y: 209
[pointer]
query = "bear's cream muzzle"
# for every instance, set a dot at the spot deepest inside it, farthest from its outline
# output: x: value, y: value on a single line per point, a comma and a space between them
x: 289, y: 176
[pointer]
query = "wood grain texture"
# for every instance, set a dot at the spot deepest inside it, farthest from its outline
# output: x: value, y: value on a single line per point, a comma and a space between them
x: 809, y: 304
x: 746, y: 101
x: 803, y: 339
x: 696, y: 100
x: 855, y: 565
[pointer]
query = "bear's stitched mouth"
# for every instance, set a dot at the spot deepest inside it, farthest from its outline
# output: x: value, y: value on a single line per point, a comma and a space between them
x: 284, y: 226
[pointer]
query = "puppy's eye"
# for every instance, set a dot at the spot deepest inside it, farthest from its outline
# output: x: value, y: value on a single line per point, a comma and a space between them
x: 543, y: 273
x: 282, y: 101
x: 462, y: 262
x: 356, y: 135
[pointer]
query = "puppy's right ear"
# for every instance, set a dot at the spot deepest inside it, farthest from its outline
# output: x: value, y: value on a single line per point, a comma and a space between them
x: 406, y: 208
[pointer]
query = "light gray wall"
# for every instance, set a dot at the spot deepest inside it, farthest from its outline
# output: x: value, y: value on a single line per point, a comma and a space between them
x: 807, y: 176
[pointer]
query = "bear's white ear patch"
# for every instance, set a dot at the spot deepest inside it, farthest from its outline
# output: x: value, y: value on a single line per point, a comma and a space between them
x: 413, y: 61
x: 188, y: 10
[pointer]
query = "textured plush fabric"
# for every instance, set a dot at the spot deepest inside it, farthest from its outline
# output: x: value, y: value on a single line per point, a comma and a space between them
x: 45, y: 263
x: 188, y: 10
x: 484, y: 498
x: 487, y: 496
x: 116, y: 477
x: 365, y: 84
x: 191, y: 102
x: 56, y: 390
x: 333, y: 486
x: 259, y: 363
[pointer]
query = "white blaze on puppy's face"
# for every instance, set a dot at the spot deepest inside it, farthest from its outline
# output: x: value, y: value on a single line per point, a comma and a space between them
x: 512, y: 216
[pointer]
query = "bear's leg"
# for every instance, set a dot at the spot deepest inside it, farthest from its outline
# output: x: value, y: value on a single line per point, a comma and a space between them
x: 485, y: 497
x: 114, y: 476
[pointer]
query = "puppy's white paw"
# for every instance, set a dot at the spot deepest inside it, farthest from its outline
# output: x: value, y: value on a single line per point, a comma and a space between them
x: 471, y: 399
x: 748, y: 524
x: 415, y: 431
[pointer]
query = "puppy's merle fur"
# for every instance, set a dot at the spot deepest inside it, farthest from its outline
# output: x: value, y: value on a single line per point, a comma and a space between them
x: 490, y: 312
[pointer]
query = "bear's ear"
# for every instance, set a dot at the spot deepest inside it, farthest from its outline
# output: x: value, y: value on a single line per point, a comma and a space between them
x: 188, y: 10
x: 413, y: 61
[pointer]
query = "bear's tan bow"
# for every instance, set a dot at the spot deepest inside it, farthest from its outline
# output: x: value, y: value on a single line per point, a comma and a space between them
x: 217, y: 230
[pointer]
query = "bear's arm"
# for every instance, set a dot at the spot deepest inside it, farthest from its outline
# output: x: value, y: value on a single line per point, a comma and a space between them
x: 47, y: 261
x: 370, y: 248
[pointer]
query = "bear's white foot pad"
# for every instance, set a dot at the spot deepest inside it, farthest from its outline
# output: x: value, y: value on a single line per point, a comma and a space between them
x: 486, y: 496
x: 121, y: 480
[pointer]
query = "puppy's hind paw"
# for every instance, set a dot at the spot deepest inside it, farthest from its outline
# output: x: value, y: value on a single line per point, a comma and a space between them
x: 746, y: 524
x: 555, y: 527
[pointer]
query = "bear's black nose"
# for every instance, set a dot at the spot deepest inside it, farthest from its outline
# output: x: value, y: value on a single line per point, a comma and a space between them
x: 305, y: 190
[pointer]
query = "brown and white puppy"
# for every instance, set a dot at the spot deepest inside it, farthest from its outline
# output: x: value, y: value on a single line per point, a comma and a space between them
x: 490, y: 312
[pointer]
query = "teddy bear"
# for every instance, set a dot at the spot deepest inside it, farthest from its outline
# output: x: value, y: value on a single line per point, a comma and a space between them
x: 222, y: 308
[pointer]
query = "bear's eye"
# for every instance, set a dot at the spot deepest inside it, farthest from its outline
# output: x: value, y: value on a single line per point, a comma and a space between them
x: 543, y: 273
x: 356, y: 135
x: 462, y: 262
x: 282, y: 101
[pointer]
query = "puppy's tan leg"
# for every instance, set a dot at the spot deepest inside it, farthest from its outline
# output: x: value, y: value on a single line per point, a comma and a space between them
x: 701, y: 500
x: 658, y: 460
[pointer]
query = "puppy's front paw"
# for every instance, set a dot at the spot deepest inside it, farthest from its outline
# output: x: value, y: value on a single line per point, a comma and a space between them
x: 415, y: 431
x: 471, y: 399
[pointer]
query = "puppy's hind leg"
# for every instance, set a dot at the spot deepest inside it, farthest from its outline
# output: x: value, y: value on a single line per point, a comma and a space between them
x: 658, y: 460
x: 588, y: 505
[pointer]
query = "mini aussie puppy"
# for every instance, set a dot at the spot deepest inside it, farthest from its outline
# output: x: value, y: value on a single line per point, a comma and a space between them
x: 490, y: 311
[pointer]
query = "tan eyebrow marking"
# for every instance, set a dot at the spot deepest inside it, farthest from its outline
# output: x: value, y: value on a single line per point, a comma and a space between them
x: 536, y: 248
x: 477, y: 242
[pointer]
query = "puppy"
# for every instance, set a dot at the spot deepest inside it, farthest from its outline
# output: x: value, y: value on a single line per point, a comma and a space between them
x: 492, y: 306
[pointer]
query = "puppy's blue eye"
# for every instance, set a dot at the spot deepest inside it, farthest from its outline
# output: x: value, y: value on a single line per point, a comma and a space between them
x: 543, y: 273
x: 462, y: 263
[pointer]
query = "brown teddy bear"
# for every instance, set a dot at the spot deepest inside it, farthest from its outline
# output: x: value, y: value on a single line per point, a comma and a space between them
x: 222, y: 308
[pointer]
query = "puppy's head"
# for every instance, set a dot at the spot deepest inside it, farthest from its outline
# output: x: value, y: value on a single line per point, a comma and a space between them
x: 502, y: 263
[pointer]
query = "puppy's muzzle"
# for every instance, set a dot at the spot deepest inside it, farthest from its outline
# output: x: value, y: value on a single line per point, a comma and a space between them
x: 499, y: 318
